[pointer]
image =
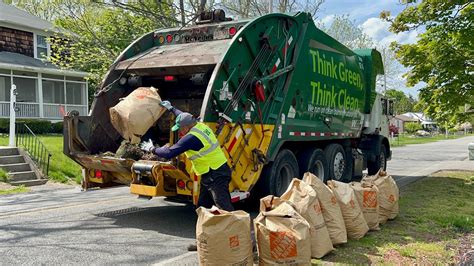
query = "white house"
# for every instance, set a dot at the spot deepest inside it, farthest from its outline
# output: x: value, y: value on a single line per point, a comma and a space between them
x: 44, y: 90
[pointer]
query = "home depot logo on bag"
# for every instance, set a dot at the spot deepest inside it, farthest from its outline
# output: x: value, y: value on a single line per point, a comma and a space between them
x: 234, y: 241
x: 140, y: 95
x: 370, y: 199
x: 391, y: 198
x: 282, y: 245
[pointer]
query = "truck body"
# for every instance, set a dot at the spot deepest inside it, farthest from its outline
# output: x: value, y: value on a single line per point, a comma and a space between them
x: 282, y: 97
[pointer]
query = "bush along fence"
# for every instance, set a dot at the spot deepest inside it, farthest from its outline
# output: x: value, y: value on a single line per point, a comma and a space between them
x: 36, y: 125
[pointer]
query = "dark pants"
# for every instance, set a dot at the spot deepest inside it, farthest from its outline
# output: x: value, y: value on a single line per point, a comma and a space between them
x: 215, y: 189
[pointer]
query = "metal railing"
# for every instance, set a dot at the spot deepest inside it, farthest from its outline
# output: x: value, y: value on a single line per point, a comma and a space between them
x: 33, y: 146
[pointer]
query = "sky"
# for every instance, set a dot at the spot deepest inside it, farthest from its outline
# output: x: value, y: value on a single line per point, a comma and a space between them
x: 365, y: 13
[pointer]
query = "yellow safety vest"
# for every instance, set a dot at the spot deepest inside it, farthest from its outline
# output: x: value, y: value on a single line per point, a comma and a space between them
x: 208, y: 157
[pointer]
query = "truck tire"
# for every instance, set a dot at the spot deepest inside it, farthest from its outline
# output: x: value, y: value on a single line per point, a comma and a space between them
x: 313, y: 161
x: 276, y: 176
x: 380, y: 163
x: 339, y: 163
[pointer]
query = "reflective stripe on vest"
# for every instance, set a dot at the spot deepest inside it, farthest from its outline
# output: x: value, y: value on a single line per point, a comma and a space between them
x: 214, y: 145
x: 210, y: 156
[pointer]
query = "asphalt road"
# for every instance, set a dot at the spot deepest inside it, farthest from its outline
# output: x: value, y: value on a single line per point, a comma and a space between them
x: 110, y: 226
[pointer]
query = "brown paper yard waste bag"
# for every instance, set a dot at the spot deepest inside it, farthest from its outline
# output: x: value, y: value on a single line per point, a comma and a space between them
x: 388, y: 196
x: 304, y: 200
x: 356, y: 225
x: 331, y: 210
x: 282, y: 234
x: 136, y: 113
x: 366, y: 194
x: 223, y: 238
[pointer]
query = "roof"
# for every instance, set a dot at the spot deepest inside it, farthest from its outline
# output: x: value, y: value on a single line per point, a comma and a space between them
x: 12, y: 15
x: 406, y: 118
x: 17, y: 61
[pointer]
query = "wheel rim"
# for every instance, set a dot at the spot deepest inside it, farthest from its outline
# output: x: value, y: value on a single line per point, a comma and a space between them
x: 318, y: 170
x: 339, y: 165
x: 284, y: 180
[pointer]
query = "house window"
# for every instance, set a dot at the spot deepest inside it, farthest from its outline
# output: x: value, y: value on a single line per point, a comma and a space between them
x: 5, y: 85
x: 26, y: 88
x: 75, y: 93
x: 53, y: 91
x: 41, y: 46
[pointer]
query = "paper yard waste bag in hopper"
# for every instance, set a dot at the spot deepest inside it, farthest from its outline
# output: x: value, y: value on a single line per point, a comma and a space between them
x: 282, y: 234
x: 331, y: 210
x: 136, y: 113
x: 356, y: 225
x: 304, y: 200
x: 223, y: 238
x: 366, y: 194
x: 388, y: 195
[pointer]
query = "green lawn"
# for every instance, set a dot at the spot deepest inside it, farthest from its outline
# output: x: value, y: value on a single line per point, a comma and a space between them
x: 15, y: 190
x: 403, y: 140
x: 61, y: 168
x: 435, y: 214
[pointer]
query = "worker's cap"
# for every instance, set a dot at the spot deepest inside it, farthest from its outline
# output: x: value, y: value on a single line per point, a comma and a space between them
x: 182, y: 120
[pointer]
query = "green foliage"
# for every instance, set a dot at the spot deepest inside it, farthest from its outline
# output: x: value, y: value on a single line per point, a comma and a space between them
x: 3, y: 175
x: 346, y: 32
x: 402, y: 103
x: 15, y: 190
x: 96, y: 34
x: 442, y: 56
x: 57, y: 128
x: 38, y: 126
x: 412, y: 127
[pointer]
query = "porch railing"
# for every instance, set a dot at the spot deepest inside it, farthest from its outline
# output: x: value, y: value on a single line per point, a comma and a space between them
x: 50, y: 110
x: 33, y: 146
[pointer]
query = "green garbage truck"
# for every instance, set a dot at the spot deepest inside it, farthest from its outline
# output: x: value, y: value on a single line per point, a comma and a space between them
x: 282, y: 96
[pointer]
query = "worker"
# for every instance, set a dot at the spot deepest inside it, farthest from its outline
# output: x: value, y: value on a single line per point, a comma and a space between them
x: 200, y: 145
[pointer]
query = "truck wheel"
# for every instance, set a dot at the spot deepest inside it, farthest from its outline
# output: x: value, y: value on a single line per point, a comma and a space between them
x: 313, y: 161
x: 338, y: 162
x: 276, y: 176
x: 380, y: 163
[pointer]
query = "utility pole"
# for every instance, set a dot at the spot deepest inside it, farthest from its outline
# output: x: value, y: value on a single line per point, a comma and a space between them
x: 270, y: 6
x: 13, y: 93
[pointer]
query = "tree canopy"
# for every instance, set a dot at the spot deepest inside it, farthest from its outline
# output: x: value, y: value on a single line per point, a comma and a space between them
x: 443, y: 56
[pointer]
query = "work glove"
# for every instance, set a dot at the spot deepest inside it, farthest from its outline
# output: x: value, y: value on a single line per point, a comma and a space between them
x: 147, y: 146
x: 166, y: 104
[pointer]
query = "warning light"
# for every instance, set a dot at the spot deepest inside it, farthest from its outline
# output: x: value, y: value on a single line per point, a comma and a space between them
x: 181, y: 184
x: 170, y: 78
x: 232, y: 31
x: 98, y: 173
x: 169, y: 38
x: 161, y: 39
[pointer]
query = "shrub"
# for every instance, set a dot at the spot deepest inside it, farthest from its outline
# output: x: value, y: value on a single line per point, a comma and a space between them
x: 57, y: 127
x: 38, y: 126
x: 393, y: 129
x: 412, y: 127
x: 3, y: 176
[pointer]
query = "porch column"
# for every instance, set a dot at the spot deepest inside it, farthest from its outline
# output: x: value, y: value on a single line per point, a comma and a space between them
x: 40, y: 95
